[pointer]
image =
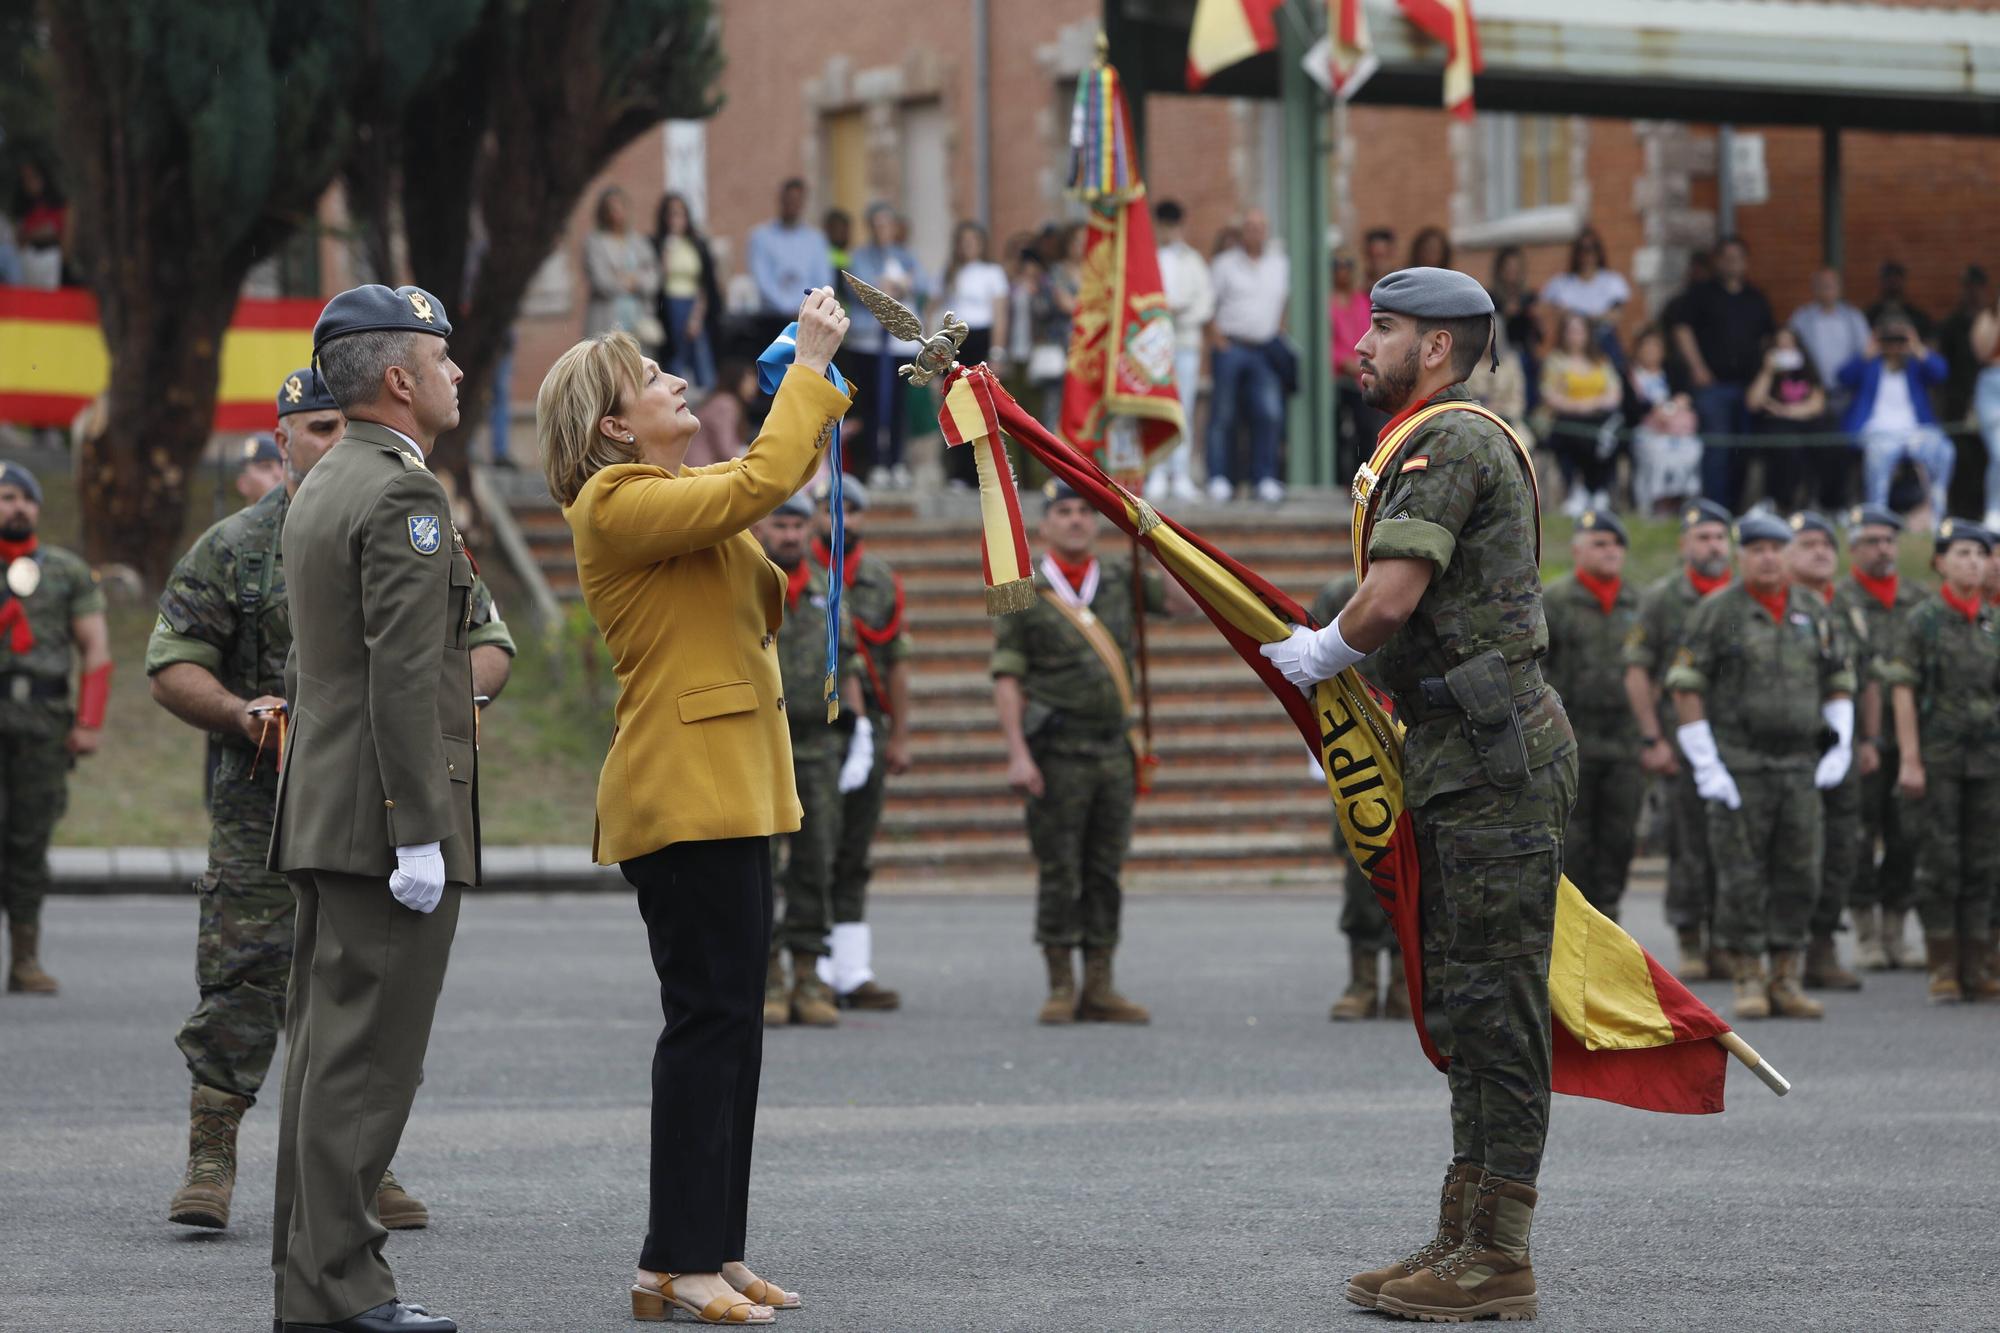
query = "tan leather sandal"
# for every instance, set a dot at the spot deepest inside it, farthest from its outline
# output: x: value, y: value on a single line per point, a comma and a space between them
x: 656, y: 1305
x: 771, y: 1294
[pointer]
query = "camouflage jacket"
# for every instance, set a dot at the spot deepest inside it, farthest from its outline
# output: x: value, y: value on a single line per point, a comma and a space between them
x: 68, y: 591
x: 1953, y: 666
x: 1332, y: 600
x: 1762, y: 682
x: 1655, y: 636
x: 1072, y: 701
x: 225, y: 608
x: 1587, y: 668
x: 1460, y: 496
x: 1873, y: 628
x: 802, y: 669
x: 874, y: 598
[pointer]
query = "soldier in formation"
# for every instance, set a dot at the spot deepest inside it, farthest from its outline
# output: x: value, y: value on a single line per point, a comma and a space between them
x: 51, y: 626
x: 216, y: 660
x: 1761, y: 677
x: 1591, y: 613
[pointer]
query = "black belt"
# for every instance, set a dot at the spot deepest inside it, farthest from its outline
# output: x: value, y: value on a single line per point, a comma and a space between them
x: 20, y: 687
x: 1432, y: 699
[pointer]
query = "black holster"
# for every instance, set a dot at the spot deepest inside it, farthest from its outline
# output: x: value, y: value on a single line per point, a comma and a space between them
x: 1483, y: 689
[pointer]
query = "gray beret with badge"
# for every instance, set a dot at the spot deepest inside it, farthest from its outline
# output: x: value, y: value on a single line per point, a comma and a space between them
x: 1807, y: 520
x: 1603, y: 520
x: 261, y: 449
x: 1435, y: 293
x: 304, y: 391
x: 1963, y: 530
x: 798, y: 506
x: 1697, y: 512
x: 13, y: 474
x: 373, y: 308
x: 1874, y: 516
x: 1758, y: 526
x: 853, y: 494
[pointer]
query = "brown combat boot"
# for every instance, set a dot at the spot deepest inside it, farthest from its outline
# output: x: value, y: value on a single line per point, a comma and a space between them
x: 777, y: 997
x: 1753, y: 990
x: 1489, y: 1275
x: 1461, y: 1180
x: 397, y: 1208
x: 203, y: 1198
x: 812, y: 999
x: 869, y: 995
x: 1100, y: 1002
x: 1396, y: 995
x: 1823, y: 969
x: 1060, y: 1007
x: 1788, y: 998
x: 1693, y: 965
x: 1898, y: 950
x: 1360, y: 999
x: 1975, y: 976
x: 1868, y: 954
x: 1942, y: 953
x: 24, y: 969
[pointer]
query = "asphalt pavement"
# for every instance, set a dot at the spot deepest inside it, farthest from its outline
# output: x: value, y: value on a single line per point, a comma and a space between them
x: 955, y: 1167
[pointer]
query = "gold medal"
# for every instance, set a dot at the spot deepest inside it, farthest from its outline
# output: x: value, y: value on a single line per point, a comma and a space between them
x: 24, y: 576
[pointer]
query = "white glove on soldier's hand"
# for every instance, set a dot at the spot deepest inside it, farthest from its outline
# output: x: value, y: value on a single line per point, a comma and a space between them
x: 1839, y: 714
x: 860, y: 761
x: 418, y: 879
x: 1311, y: 656
x: 1711, y: 779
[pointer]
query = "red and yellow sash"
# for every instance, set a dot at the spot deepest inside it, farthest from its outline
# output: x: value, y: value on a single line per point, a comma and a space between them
x: 1368, y: 478
x: 1092, y: 631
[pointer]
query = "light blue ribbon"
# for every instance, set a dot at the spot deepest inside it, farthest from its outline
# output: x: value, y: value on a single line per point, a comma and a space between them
x: 771, y: 367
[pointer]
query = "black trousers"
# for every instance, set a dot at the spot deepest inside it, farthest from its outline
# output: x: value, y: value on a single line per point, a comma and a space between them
x: 707, y: 907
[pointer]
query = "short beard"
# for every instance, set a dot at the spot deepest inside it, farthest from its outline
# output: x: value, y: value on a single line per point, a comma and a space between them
x: 1711, y: 567
x: 1392, y: 389
x: 17, y: 530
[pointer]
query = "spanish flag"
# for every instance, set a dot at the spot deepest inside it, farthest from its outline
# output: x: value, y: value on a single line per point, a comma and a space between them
x: 1228, y: 32
x: 1451, y: 23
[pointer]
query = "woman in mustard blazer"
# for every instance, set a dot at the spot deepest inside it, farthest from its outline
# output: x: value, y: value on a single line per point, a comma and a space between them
x: 700, y: 771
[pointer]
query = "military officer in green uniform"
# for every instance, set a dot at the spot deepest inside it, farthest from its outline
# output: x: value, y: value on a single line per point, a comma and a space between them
x: 1944, y: 679
x: 1591, y: 613
x: 51, y: 623
x: 217, y: 661
x: 1062, y: 684
x: 873, y: 598
x: 1650, y: 646
x: 1451, y: 605
x: 829, y: 760
x: 1761, y: 678
x: 1362, y: 920
x: 1873, y: 602
x: 377, y: 823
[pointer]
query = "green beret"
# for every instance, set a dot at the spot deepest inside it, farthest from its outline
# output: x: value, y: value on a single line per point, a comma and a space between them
x: 1808, y: 521
x: 1697, y: 512
x: 1431, y: 293
x: 797, y: 506
x: 1874, y: 516
x: 1758, y: 526
x: 1963, y: 530
x: 304, y: 391
x: 373, y: 307
x: 1603, y: 520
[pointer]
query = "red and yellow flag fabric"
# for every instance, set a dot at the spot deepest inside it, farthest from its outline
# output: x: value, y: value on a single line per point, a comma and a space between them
x: 1451, y: 22
x: 1350, y: 50
x: 1228, y: 32
x: 53, y: 360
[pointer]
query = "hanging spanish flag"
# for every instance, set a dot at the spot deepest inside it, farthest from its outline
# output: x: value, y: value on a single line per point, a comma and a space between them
x: 1350, y: 50
x: 1228, y: 32
x: 1121, y: 342
x: 1451, y: 22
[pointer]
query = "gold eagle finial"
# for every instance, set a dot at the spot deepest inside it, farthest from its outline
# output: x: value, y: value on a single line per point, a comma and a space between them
x: 939, y: 350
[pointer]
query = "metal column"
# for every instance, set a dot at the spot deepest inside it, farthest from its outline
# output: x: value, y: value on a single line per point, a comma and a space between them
x: 1309, y: 459
x: 1832, y: 216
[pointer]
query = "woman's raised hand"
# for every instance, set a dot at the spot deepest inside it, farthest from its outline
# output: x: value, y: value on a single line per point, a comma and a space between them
x: 822, y: 324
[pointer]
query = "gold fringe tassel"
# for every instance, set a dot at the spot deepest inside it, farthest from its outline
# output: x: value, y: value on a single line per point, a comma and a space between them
x: 1006, y: 598
x: 1148, y: 519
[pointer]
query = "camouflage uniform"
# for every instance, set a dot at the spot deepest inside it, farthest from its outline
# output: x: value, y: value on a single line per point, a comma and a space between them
x: 37, y: 713
x: 875, y: 601
x: 1762, y: 686
x: 1489, y: 856
x: 1362, y: 919
x: 818, y: 747
x: 1890, y: 883
x: 1664, y: 609
x: 225, y: 610
x: 1586, y: 667
x: 1840, y: 804
x: 1952, y: 665
x: 1076, y: 725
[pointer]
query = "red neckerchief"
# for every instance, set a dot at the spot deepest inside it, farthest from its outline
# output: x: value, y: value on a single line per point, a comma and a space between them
x: 824, y: 555
x: 1969, y: 607
x: 1604, y: 590
x: 13, y: 615
x: 1702, y: 584
x: 1775, y: 602
x: 1826, y: 594
x: 795, y: 582
x: 869, y: 637
x: 1882, y: 590
x: 1075, y: 573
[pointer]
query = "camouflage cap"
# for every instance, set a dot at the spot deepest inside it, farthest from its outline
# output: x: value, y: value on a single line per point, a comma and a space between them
x: 1807, y: 520
x: 1757, y: 526
x: 13, y: 474
x: 373, y: 307
x: 304, y: 391
x: 1697, y: 512
x: 1963, y: 530
x: 1603, y: 520
x: 1874, y: 516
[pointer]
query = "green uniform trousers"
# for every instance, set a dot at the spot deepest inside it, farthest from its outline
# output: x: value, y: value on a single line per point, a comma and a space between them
x: 1489, y: 862
x: 1767, y: 861
x: 1891, y: 881
x: 807, y: 881
x: 1362, y: 919
x: 1079, y: 829
x: 1958, y: 856
x: 1690, y: 871
x: 366, y: 973
x: 860, y: 816
x: 243, y: 942
x: 1840, y: 851
x: 34, y: 792
x: 1597, y: 847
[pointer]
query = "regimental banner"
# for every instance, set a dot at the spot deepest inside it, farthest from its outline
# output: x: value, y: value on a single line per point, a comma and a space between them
x: 1121, y: 346
x: 53, y: 360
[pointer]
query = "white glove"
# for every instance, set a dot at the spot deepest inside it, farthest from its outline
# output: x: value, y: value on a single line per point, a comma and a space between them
x: 860, y: 761
x: 1314, y: 773
x: 418, y: 879
x: 1711, y: 779
x: 1839, y: 714
x: 1311, y: 656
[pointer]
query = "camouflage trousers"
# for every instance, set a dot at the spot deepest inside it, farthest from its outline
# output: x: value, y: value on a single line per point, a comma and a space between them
x: 807, y: 878
x: 1690, y: 871
x: 1890, y: 882
x: 1489, y: 861
x: 1840, y: 851
x: 34, y: 793
x: 1079, y: 829
x: 1597, y: 848
x: 243, y: 942
x: 1958, y: 855
x: 1767, y: 861
x: 1362, y: 919
x: 860, y: 816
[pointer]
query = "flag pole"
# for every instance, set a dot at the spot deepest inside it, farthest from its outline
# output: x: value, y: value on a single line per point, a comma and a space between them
x: 1756, y: 1063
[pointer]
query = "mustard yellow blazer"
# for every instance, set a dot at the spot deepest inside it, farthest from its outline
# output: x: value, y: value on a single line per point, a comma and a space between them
x: 689, y: 606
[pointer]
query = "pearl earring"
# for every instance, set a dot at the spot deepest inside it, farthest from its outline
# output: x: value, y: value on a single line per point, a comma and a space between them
x: 631, y: 439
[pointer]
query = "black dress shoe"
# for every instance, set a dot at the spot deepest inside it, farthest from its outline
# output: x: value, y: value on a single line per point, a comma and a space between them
x: 389, y: 1317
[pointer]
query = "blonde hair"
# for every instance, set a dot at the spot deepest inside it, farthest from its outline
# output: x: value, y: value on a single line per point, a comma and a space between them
x: 584, y: 386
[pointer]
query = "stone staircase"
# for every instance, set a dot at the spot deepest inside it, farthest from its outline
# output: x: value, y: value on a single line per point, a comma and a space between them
x: 1232, y: 804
